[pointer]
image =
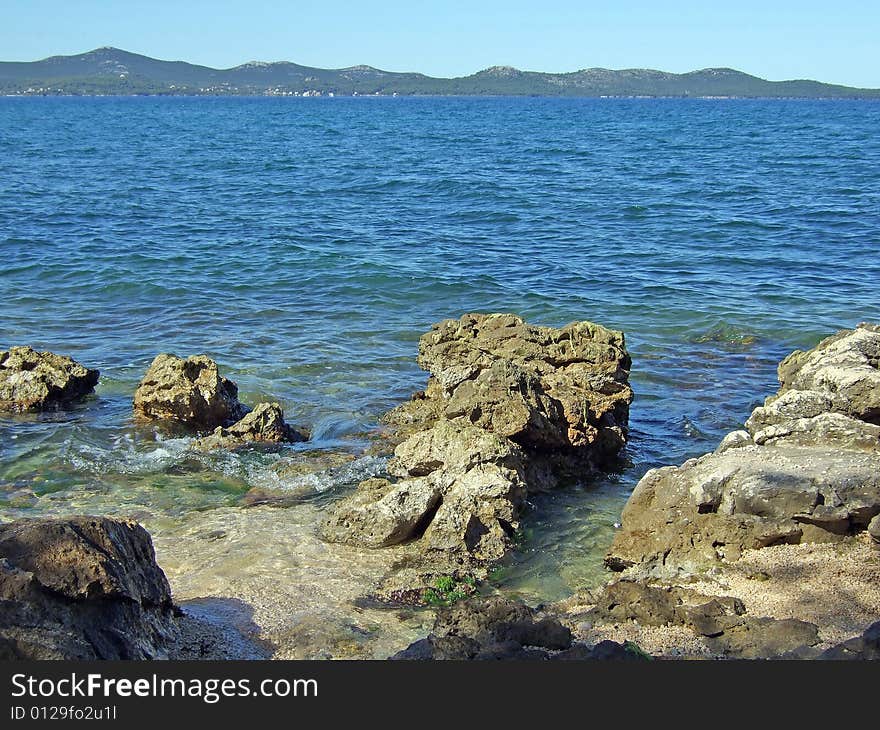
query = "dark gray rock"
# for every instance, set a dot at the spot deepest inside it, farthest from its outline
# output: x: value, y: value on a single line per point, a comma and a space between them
x: 82, y: 588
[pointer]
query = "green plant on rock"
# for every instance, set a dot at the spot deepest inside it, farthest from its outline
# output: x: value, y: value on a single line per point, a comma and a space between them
x: 447, y: 590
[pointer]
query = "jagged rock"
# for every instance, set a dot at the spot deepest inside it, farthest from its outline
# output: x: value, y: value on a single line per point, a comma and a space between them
x: 82, y: 588
x: 380, y: 513
x: 189, y: 390
x: 460, y: 487
x: 810, y: 473
x: 36, y: 381
x: 544, y: 388
x: 844, y: 365
x: 508, y: 407
x: 264, y: 424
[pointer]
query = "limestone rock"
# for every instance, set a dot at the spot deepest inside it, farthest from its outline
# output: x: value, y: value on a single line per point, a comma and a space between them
x: 542, y: 387
x: 189, y: 390
x: 460, y: 486
x: 36, y: 381
x: 380, y: 513
x: 846, y: 365
x: 716, y: 506
x: 264, y: 424
x: 808, y: 469
x: 82, y: 588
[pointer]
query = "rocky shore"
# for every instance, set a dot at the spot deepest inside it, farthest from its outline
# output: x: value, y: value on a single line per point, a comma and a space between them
x: 768, y: 547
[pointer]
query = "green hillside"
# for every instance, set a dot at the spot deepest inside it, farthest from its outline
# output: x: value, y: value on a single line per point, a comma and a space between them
x: 112, y: 71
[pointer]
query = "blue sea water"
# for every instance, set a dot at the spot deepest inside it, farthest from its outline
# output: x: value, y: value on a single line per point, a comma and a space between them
x: 305, y: 244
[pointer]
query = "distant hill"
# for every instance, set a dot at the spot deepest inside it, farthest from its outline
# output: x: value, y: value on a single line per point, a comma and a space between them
x: 111, y: 71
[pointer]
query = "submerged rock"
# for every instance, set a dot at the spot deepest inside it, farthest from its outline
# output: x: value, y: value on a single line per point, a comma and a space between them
x: 189, y: 390
x: 36, y: 381
x: 806, y: 470
x: 264, y: 424
x: 82, y: 588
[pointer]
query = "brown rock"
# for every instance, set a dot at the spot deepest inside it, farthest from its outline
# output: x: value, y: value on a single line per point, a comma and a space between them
x: 189, y: 390
x: 264, y: 424
x: 36, y: 381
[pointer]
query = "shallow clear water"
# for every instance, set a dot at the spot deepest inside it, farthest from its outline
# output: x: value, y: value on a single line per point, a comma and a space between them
x: 306, y: 243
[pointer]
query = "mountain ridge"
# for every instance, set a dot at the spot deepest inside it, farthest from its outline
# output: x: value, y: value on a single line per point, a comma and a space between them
x: 113, y: 71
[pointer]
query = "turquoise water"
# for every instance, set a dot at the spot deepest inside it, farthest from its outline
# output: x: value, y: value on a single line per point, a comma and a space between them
x: 305, y: 244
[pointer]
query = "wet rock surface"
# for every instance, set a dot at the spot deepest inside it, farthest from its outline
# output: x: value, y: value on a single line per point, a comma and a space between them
x: 264, y: 424
x: 807, y: 469
x: 82, y: 588
x: 192, y: 391
x: 37, y: 381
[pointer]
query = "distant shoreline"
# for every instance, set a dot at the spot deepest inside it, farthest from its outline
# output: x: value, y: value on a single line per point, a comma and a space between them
x: 443, y: 96
x: 115, y: 72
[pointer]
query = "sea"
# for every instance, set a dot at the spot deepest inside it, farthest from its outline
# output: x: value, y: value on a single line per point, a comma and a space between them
x: 307, y: 243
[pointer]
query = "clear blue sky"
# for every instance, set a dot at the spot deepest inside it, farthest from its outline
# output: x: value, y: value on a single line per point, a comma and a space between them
x: 837, y: 41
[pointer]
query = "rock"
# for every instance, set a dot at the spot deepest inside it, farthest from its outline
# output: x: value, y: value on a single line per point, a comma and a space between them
x: 761, y: 637
x: 37, y: 381
x: 751, y: 497
x: 845, y: 365
x: 866, y: 646
x: 489, y: 629
x: 264, y: 424
x: 508, y: 407
x: 604, y: 651
x: 734, y: 440
x: 810, y: 473
x: 82, y: 588
x: 460, y: 487
x: 544, y: 388
x: 380, y: 513
x: 661, y: 605
x: 453, y: 447
x: 189, y: 390
x: 874, y: 528
x: 826, y: 429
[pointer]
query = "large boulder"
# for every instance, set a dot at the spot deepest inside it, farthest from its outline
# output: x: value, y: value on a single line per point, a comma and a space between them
x: 82, y: 588
x: 189, y: 390
x: 806, y: 469
x: 508, y: 407
x: 544, y: 388
x: 36, y: 381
